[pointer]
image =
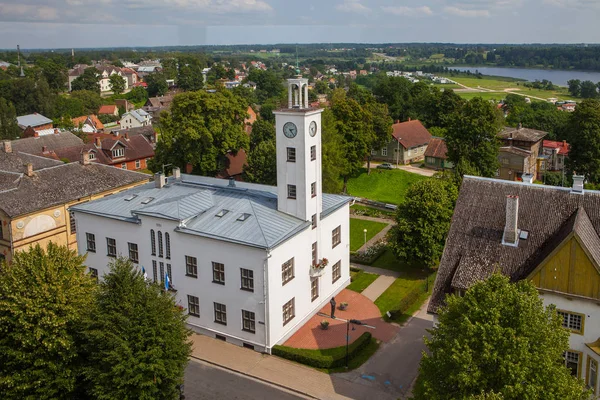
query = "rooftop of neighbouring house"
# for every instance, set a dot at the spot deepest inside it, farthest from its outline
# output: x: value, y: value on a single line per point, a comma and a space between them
x: 437, y: 148
x: 548, y: 214
x: 53, y: 182
x: 108, y: 109
x: 209, y: 207
x: 138, y: 114
x: 522, y: 134
x: 136, y: 147
x: 411, y: 133
x: 32, y: 120
x: 51, y: 142
x: 563, y: 147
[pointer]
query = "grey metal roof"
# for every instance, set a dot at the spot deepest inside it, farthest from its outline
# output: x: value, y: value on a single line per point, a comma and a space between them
x: 196, y: 203
x: 138, y: 114
x: 33, y: 120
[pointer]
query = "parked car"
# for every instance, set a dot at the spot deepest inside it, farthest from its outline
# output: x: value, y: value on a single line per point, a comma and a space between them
x: 385, y: 166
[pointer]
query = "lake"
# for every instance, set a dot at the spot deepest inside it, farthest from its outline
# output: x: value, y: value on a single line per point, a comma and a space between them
x: 558, y: 77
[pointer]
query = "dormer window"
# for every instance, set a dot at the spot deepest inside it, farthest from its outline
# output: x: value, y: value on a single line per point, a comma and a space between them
x: 120, y: 152
x: 91, y: 156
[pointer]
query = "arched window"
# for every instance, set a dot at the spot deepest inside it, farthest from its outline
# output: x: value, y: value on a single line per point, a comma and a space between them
x: 160, y: 247
x: 153, y: 242
x: 168, y: 245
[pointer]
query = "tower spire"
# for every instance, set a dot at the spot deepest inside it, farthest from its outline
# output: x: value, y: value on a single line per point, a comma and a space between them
x: 297, y: 65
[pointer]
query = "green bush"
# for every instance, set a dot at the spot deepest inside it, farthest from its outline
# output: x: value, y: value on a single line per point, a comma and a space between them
x: 328, y: 358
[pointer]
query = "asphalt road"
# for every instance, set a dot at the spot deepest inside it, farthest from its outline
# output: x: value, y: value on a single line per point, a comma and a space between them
x: 207, y: 382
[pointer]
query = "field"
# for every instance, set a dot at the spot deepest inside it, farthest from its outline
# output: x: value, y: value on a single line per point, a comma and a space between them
x: 496, y: 96
x: 386, y: 186
x: 357, y: 235
x: 496, y: 87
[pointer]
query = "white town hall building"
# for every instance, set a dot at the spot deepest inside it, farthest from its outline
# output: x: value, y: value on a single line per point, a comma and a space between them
x: 250, y: 263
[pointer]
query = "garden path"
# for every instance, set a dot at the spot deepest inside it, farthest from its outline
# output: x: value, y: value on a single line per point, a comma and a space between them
x: 379, y: 285
x: 379, y: 235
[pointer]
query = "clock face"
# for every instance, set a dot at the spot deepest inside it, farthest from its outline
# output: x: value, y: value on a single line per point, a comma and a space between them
x: 290, y: 130
x: 312, y: 129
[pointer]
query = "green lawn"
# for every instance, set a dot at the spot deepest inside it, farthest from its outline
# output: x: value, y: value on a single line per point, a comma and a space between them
x: 373, y: 212
x: 497, y: 96
x: 391, y: 298
x: 357, y: 235
x: 387, y: 186
x: 492, y: 83
x: 361, y: 280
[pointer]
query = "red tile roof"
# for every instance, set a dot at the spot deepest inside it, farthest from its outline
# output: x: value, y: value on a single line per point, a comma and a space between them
x: 437, y: 148
x: 108, y: 109
x: 411, y: 134
x: 235, y: 165
x: 81, y: 120
x: 137, y: 147
x: 563, y: 147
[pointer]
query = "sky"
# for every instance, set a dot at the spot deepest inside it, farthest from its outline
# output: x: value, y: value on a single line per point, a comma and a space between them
x: 137, y: 23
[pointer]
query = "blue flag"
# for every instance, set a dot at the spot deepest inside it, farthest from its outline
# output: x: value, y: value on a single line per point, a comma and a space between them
x: 167, y: 282
x: 144, y: 273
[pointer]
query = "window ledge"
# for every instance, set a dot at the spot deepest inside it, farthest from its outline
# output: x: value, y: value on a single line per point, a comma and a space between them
x: 192, y: 276
x: 247, y: 290
x: 220, y: 323
x: 219, y: 283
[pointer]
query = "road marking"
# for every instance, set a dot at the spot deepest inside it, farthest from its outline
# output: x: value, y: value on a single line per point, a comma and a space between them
x: 369, y: 377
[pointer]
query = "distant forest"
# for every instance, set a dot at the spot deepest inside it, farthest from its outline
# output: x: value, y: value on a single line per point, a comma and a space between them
x: 553, y: 56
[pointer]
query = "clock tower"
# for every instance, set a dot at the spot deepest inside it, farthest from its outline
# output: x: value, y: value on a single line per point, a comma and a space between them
x: 298, y: 138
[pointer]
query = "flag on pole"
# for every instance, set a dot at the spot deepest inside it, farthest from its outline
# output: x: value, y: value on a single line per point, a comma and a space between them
x: 144, y: 273
x: 167, y: 281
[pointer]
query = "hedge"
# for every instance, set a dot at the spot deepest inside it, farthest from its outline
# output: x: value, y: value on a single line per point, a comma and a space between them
x: 314, y: 358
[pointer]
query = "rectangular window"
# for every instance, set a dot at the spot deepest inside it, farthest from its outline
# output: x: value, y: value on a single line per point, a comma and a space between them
x: 72, y: 224
x: 133, y: 252
x: 314, y: 253
x: 291, y: 154
x: 162, y: 271
x: 138, y: 164
x: 336, y: 236
x: 94, y: 273
x: 170, y: 274
x: 193, y: 306
x: 313, y: 189
x: 314, y: 221
x: 289, y: 311
x: 291, y: 191
x: 248, y: 321
x: 191, y: 266
x: 118, y: 152
x: 572, y: 321
x: 91, y: 242
x: 123, y: 166
x: 336, y: 271
x: 218, y: 273
x: 287, y: 271
x: 373, y: 152
x: 592, y: 375
x: 111, y: 247
x: 220, y: 313
x: 154, y: 271
x: 384, y: 151
x: 314, y: 289
x: 572, y: 359
x: 247, y: 279
x: 313, y: 153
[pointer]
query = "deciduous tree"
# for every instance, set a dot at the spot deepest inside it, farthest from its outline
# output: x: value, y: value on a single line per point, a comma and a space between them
x: 117, y: 83
x: 44, y: 297
x: 588, y: 90
x: 584, y: 139
x: 9, y: 129
x: 499, y: 338
x: 136, y: 341
x: 157, y: 84
x: 88, y: 80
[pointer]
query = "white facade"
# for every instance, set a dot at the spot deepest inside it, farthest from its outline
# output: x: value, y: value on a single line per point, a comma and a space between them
x: 289, y: 226
x: 135, y: 119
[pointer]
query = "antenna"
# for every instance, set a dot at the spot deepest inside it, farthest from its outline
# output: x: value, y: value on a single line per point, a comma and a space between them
x: 297, y: 66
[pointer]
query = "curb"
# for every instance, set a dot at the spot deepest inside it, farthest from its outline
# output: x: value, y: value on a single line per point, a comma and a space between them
x: 256, y: 377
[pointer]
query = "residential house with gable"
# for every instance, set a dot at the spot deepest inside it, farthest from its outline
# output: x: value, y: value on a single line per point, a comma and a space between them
x: 547, y: 235
x: 250, y: 263
x: 109, y: 109
x: 408, y: 144
x: 436, y: 155
x: 36, y: 193
x: 88, y: 124
x: 520, y: 152
x: 37, y: 122
x: 554, y: 154
x: 135, y: 119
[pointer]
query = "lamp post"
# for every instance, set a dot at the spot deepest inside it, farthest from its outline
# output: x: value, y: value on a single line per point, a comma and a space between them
x: 348, y: 322
x: 365, y: 232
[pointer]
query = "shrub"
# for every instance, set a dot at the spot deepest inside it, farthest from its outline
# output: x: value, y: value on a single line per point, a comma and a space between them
x: 335, y: 358
x: 370, y: 255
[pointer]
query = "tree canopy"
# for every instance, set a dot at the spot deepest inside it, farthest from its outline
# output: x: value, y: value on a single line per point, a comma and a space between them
x: 201, y: 129
x: 44, y: 298
x: 9, y: 129
x: 262, y: 158
x: 584, y: 139
x: 157, y: 84
x: 499, y: 339
x: 117, y: 83
x: 88, y: 80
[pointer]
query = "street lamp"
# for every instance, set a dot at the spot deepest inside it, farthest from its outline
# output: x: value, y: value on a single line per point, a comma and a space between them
x: 365, y: 232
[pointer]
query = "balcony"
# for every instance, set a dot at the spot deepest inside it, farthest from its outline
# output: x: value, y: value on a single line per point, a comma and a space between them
x: 318, y: 269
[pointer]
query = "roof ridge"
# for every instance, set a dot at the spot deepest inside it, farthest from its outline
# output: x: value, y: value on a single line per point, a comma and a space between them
x: 258, y: 222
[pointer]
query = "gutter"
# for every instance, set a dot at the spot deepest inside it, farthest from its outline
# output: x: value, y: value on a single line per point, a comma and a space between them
x: 266, y: 303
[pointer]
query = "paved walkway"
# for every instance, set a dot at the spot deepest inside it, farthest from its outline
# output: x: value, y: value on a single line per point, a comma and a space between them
x: 379, y: 285
x: 360, y: 307
x: 280, y: 372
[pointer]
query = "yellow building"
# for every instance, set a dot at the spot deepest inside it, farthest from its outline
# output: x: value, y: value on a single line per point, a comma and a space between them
x: 36, y: 192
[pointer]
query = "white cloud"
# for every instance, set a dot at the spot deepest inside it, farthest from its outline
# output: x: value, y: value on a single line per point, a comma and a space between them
x: 353, y: 6
x: 462, y: 12
x: 577, y: 4
x: 408, y: 11
x: 28, y: 12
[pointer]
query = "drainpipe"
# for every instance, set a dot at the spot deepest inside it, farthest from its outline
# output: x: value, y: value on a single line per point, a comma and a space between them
x: 266, y: 302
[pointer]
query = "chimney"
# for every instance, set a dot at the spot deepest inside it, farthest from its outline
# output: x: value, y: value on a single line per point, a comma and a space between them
x: 519, y: 126
x: 176, y: 173
x: 159, y: 180
x: 44, y: 149
x: 409, y: 119
x: 56, y: 132
x: 231, y: 182
x: 565, y: 144
x: 85, y: 158
x: 126, y: 135
x: 527, y: 178
x: 511, y: 233
x: 29, y: 169
x: 577, y: 184
x: 97, y: 142
x: 7, y: 146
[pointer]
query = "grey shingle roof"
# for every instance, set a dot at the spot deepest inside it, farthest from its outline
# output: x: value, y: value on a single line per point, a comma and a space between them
x: 474, y: 250
x: 16, y: 162
x: 195, y: 202
x: 522, y: 134
x: 59, y: 184
x: 55, y: 141
x: 33, y: 120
